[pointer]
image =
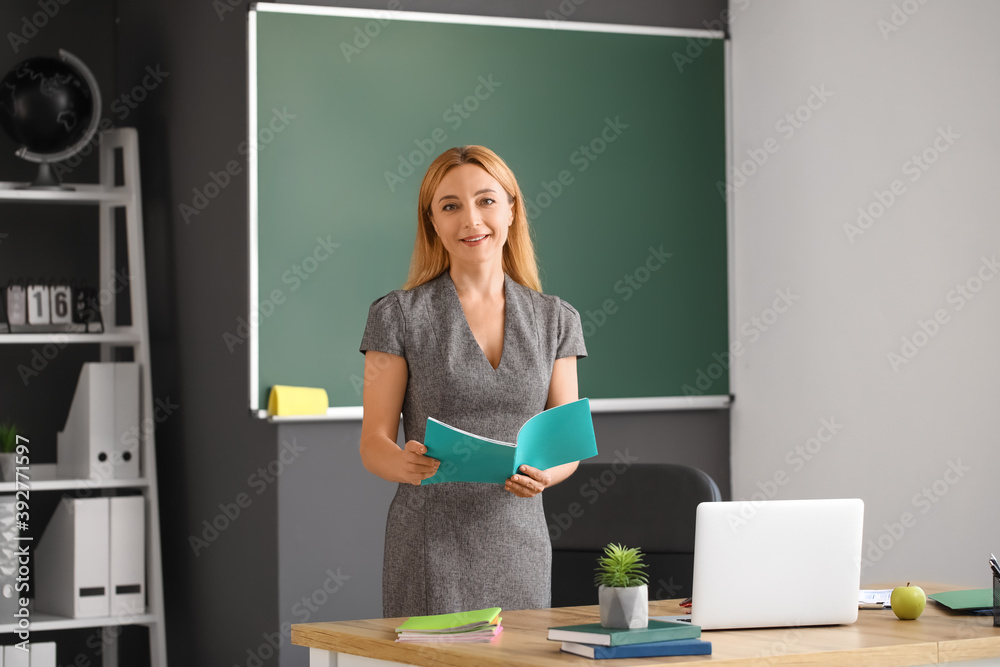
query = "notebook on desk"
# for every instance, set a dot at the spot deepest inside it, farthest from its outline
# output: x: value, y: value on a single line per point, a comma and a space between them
x: 778, y: 563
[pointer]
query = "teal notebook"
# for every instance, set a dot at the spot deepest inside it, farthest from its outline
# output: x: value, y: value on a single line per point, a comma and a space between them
x: 559, y: 435
x: 596, y: 634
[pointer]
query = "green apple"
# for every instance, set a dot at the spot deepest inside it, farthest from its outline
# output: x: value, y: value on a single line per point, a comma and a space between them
x: 908, y: 601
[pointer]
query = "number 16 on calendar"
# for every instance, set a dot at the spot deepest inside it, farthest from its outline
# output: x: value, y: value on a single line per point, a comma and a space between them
x: 49, y: 305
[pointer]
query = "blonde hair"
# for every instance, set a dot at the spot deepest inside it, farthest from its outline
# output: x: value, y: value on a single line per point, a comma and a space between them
x: 430, y: 258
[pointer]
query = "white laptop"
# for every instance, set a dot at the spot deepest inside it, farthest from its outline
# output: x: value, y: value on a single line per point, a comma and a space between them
x: 777, y: 563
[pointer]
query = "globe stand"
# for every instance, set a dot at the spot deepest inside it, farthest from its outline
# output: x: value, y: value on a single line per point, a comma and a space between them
x: 70, y: 72
x: 46, y: 180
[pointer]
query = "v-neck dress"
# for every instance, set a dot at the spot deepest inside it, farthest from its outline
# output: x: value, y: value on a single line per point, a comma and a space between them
x: 458, y: 546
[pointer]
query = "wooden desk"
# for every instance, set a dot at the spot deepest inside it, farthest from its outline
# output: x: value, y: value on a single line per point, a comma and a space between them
x: 878, y: 639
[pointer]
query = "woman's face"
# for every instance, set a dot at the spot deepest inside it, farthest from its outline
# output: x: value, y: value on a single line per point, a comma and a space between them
x: 471, y: 214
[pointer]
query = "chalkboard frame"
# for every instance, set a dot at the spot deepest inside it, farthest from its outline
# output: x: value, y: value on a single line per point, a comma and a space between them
x: 654, y: 403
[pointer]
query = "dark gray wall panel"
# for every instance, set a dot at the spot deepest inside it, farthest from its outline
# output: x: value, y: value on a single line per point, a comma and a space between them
x: 221, y: 602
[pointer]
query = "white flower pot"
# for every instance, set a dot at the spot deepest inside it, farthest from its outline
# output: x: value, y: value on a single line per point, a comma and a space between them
x: 8, y: 471
x: 624, y: 607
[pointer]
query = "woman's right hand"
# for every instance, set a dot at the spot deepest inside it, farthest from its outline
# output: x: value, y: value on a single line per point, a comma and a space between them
x: 412, y: 466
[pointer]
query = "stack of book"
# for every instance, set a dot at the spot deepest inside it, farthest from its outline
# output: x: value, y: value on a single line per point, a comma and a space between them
x: 481, y: 625
x: 659, y: 638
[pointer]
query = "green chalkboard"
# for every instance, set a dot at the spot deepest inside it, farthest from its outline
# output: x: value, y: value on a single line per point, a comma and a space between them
x: 618, y: 145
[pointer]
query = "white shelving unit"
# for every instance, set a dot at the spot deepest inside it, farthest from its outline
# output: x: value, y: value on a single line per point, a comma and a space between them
x: 71, y: 484
x: 41, y: 621
x: 114, y: 338
x: 108, y: 197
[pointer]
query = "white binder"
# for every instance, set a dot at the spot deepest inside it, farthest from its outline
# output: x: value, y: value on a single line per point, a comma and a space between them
x: 72, y: 560
x: 128, y: 550
x: 15, y: 657
x: 127, y: 432
x: 102, y: 433
x: 86, y: 443
x: 43, y: 654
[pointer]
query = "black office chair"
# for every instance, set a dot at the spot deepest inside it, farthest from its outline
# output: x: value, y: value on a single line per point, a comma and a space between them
x: 647, y: 505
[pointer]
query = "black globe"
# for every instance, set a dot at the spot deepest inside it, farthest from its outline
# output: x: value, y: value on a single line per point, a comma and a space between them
x: 46, y: 105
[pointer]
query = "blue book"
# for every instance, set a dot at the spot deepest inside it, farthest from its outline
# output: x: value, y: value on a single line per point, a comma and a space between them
x: 559, y: 435
x: 675, y: 647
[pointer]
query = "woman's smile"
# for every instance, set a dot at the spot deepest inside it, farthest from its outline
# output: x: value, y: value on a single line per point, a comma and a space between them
x: 475, y: 240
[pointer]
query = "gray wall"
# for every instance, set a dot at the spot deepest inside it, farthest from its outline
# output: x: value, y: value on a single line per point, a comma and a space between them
x: 916, y: 435
x: 331, y: 511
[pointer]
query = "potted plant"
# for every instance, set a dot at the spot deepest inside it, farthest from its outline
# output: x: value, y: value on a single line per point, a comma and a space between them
x: 8, y: 442
x: 622, y: 588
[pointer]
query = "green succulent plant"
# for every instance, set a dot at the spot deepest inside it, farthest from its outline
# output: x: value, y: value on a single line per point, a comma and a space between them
x: 8, y: 437
x: 620, y: 567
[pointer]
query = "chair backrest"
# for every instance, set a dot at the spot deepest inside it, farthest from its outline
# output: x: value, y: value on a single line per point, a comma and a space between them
x: 647, y: 505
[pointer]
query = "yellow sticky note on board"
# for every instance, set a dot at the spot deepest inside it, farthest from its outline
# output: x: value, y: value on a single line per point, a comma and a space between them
x: 285, y: 401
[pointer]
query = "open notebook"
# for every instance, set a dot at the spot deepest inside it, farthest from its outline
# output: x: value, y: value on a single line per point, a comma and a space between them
x: 559, y: 435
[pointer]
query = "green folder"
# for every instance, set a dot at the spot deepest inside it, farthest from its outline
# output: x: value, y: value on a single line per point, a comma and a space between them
x: 559, y: 435
x: 456, y: 622
x: 978, y: 598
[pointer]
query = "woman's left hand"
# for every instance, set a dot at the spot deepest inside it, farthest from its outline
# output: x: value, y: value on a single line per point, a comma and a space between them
x: 528, y: 482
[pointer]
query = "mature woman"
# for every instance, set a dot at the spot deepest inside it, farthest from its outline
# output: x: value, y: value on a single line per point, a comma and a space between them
x: 471, y: 341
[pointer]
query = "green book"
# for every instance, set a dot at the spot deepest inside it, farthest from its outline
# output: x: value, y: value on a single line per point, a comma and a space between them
x: 598, y: 635
x: 457, y: 622
x: 558, y: 435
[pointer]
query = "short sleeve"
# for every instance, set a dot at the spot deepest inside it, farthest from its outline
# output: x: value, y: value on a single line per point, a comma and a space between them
x: 386, y: 327
x: 570, y: 333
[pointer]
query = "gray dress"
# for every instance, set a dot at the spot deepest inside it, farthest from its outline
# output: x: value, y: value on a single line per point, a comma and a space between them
x: 460, y: 545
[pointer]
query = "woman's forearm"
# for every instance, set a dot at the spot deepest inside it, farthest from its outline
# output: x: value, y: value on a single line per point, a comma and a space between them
x: 559, y: 473
x: 383, y: 457
x: 378, y: 454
